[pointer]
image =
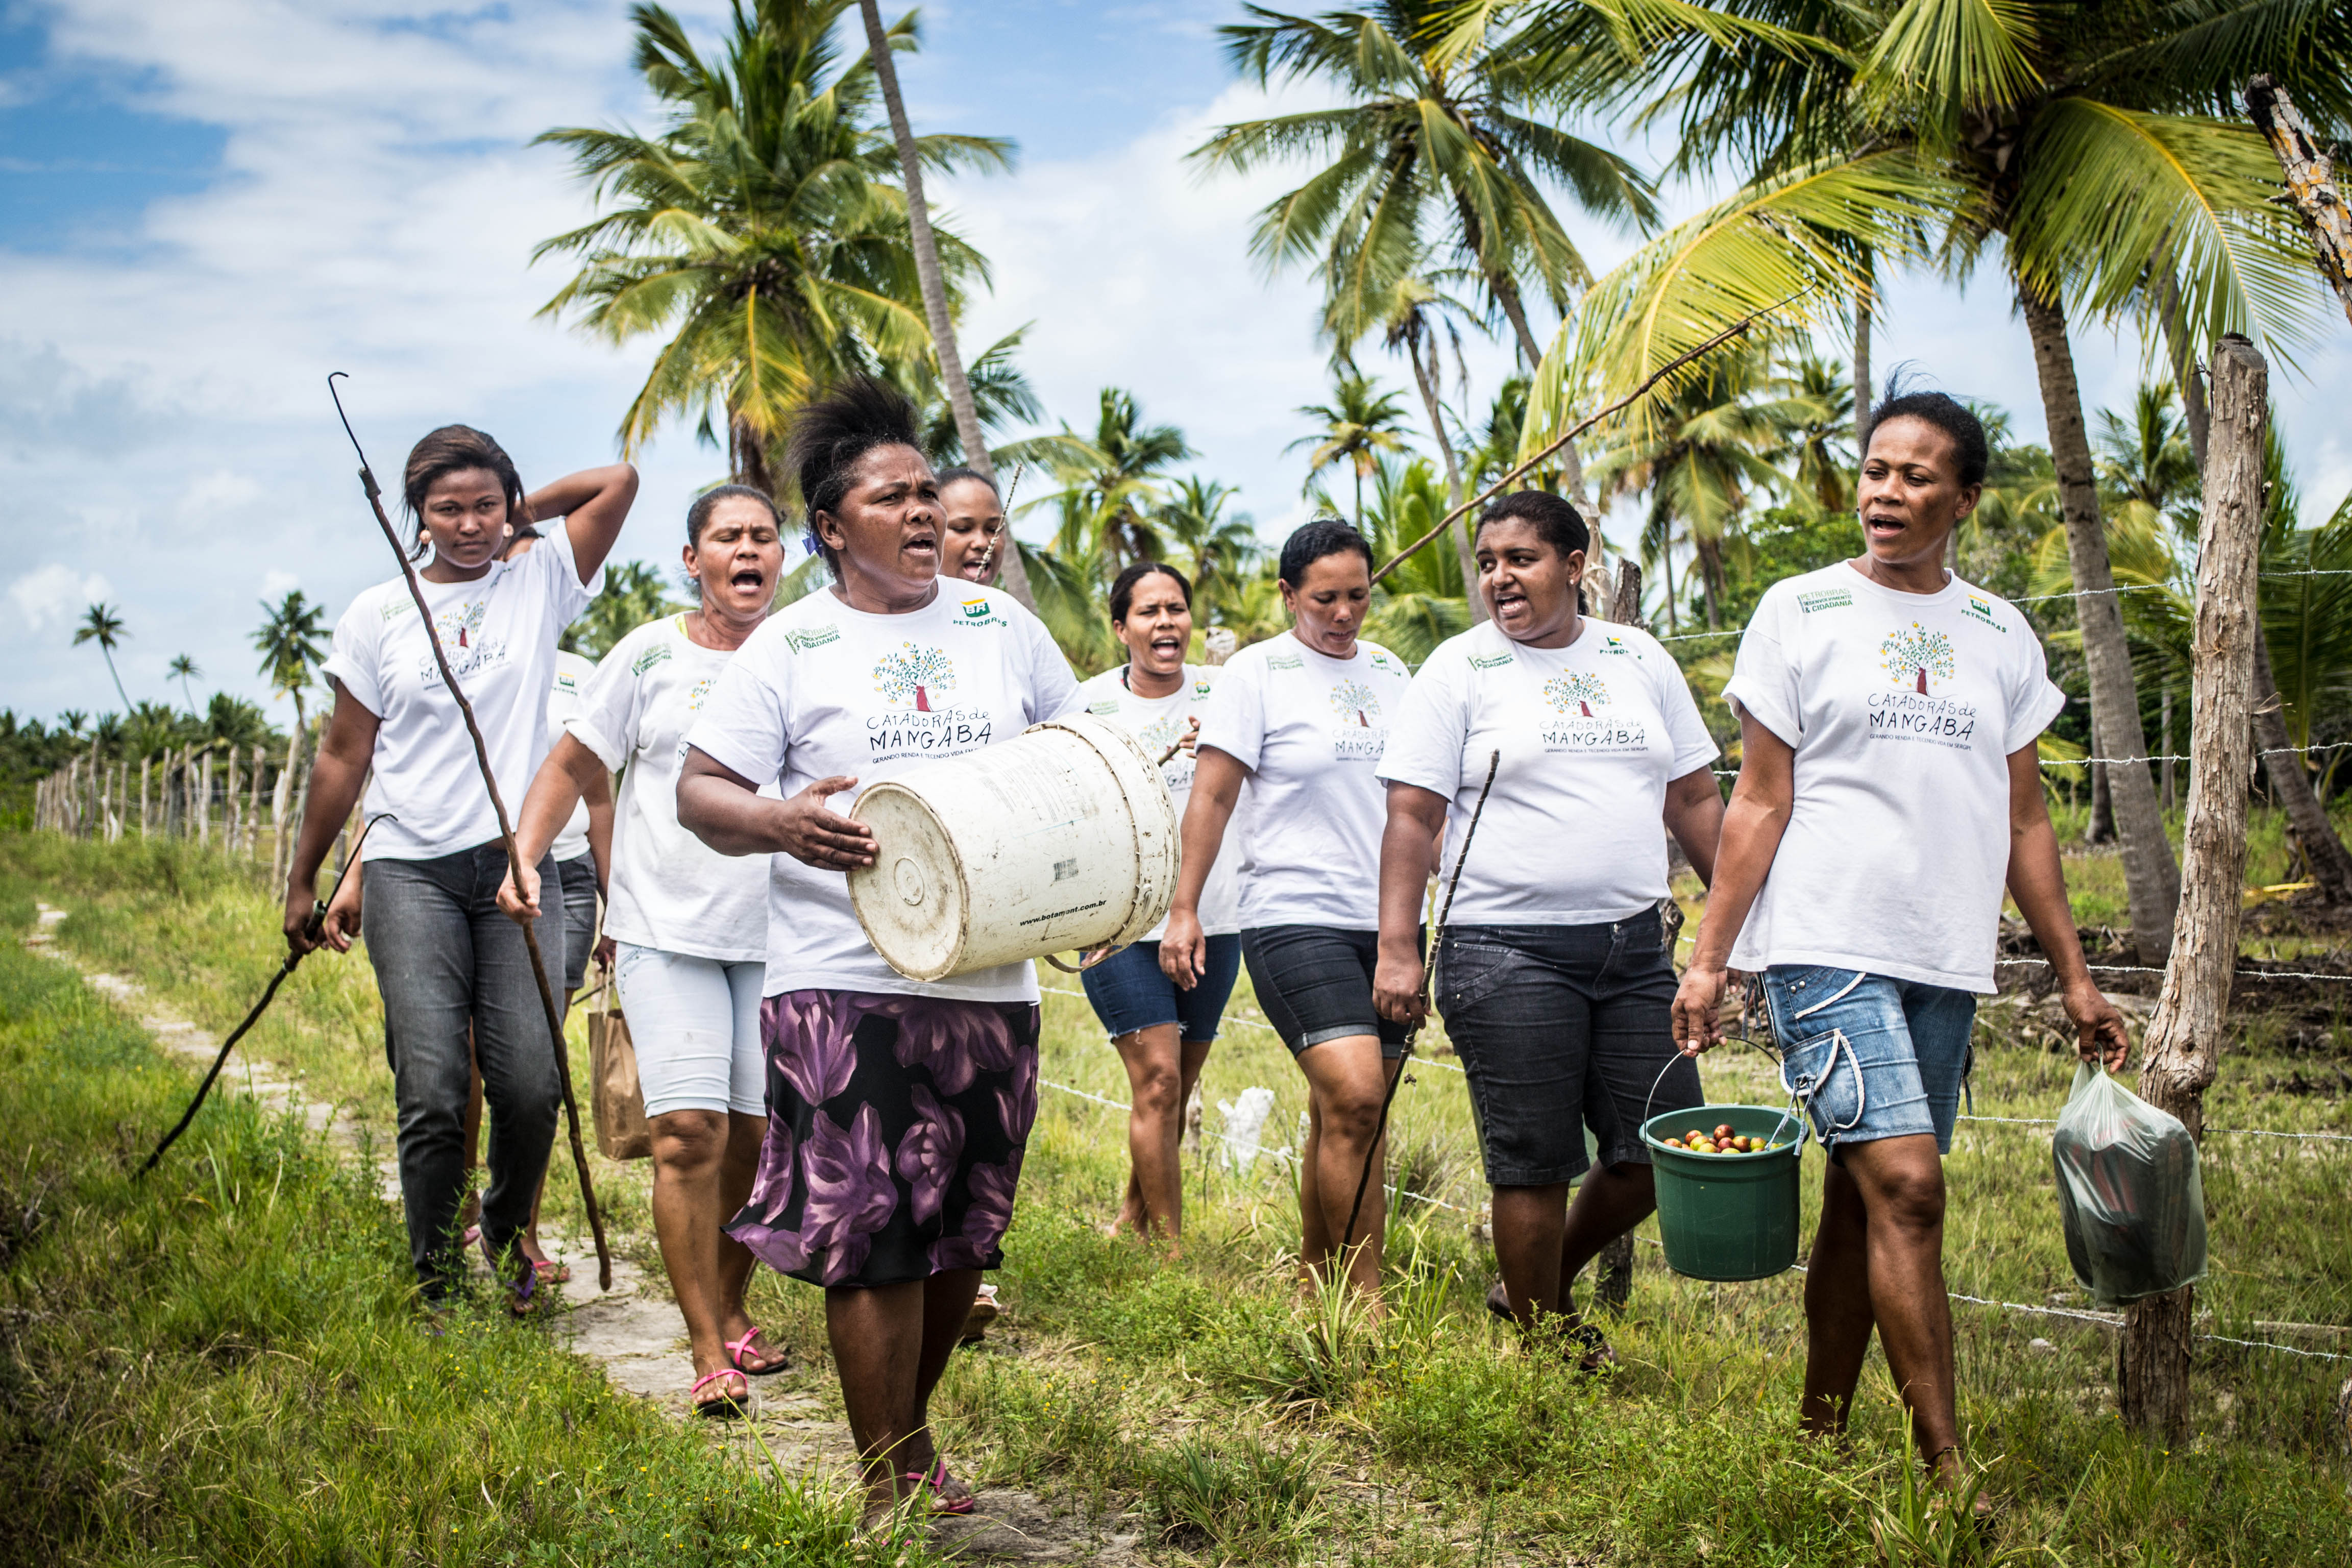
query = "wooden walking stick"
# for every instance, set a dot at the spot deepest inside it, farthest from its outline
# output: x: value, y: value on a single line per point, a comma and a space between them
x: 506, y: 836
x: 1348, y: 1236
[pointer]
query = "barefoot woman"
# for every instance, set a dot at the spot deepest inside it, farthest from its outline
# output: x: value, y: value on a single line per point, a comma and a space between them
x: 1889, y: 785
x: 1162, y: 1030
x: 898, y: 1110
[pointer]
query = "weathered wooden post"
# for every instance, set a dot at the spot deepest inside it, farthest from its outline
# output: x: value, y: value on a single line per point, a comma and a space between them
x: 204, y: 800
x: 253, y: 802
x: 2184, y: 1038
x: 2310, y: 181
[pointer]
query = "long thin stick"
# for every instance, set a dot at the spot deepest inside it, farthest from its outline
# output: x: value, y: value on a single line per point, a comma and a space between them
x: 1663, y: 371
x: 318, y: 919
x: 506, y: 834
x: 1444, y: 916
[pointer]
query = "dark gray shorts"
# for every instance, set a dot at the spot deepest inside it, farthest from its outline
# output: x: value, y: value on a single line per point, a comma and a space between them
x: 1561, y: 1029
x: 1315, y: 984
x: 579, y: 875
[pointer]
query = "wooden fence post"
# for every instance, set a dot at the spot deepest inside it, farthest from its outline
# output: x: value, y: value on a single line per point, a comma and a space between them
x: 205, y: 801
x: 2184, y: 1037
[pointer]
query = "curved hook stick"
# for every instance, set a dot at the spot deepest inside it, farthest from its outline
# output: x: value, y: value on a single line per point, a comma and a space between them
x: 318, y: 919
x: 505, y: 835
x: 1736, y: 329
x: 1445, y: 915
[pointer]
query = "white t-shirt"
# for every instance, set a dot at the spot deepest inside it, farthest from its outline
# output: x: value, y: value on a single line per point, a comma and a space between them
x: 1159, y: 722
x: 824, y: 689
x: 670, y: 890
x: 571, y: 673
x: 1310, y: 729
x: 1590, y: 735
x: 498, y: 632
x: 1903, y: 709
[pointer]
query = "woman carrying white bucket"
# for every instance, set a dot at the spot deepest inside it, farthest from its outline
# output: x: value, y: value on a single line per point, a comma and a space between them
x: 1552, y: 971
x: 1302, y: 719
x: 898, y: 1110
x: 1161, y: 1029
x: 690, y: 926
x: 1889, y: 785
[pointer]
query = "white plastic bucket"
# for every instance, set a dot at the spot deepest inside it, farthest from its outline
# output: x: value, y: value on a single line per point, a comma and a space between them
x: 1059, y: 839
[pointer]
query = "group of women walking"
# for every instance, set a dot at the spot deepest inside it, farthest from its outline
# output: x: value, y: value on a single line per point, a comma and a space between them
x: 813, y: 1108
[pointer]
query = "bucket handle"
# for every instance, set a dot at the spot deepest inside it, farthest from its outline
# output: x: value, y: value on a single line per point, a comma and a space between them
x: 1086, y: 960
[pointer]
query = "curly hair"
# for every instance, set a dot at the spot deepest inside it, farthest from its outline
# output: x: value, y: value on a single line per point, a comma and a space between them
x: 832, y: 432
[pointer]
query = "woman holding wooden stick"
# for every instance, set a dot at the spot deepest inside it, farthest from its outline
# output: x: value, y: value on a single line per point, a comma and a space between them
x: 1553, y: 974
x: 1889, y: 786
x: 1302, y: 720
x: 690, y: 926
x: 442, y: 950
x: 898, y: 1110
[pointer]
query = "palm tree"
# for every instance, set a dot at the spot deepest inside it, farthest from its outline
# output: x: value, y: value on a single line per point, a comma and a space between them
x: 183, y: 668
x: 1219, y: 545
x: 1113, y: 482
x: 291, y: 642
x: 1439, y: 134
x: 1421, y: 603
x: 1359, y: 422
x: 1819, y: 403
x: 1000, y: 394
x: 2072, y: 141
x: 634, y: 594
x: 944, y: 351
x: 762, y: 228
x: 102, y: 625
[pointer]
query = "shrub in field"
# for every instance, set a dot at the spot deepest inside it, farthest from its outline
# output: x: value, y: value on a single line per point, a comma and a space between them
x: 1238, y: 1498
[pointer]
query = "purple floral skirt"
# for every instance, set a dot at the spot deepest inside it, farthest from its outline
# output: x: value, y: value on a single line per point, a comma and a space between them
x: 895, y: 1127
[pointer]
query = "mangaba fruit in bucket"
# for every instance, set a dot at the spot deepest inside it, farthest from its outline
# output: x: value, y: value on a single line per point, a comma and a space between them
x: 1727, y: 1199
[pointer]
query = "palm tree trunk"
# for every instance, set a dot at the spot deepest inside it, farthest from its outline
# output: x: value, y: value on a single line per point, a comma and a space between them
x: 1862, y: 395
x: 1710, y: 571
x: 1014, y: 576
x: 1423, y: 378
x: 1505, y: 289
x: 2323, y: 849
x: 2099, y: 827
x: 117, y: 679
x: 2151, y: 876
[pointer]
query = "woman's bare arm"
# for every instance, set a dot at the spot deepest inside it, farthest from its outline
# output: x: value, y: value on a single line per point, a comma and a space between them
x: 1217, y: 780
x: 1750, y: 836
x: 1693, y: 816
x: 570, y: 773
x: 594, y: 503
x: 337, y: 776
x: 1408, y: 853
x: 2037, y: 880
x: 726, y: 811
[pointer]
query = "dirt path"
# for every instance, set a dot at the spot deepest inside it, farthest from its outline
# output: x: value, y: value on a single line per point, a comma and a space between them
x: 633, y: 1329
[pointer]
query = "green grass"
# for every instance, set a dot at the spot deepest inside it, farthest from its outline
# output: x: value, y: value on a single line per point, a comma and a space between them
x: 1203, y: 1396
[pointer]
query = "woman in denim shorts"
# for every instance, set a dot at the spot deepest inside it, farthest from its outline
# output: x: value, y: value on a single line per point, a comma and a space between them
x: 1552, y: 971
x: 1161, y: 1030
x: 1302, y: 720
x: 1889, y: 787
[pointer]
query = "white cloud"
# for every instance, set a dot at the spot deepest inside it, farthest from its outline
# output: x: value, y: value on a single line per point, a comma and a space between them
x: 276, y: 584
x: 55, y: 592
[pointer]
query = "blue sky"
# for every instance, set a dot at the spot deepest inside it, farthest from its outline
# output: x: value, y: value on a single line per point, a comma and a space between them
x: 206, y: 206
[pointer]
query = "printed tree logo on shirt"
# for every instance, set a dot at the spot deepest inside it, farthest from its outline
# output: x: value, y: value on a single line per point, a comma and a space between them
x: 1354, y: 700
x: 913, y: 676
x: 1910, y: 657
x: 1580, y: 691
x: 1161, y: 734
x: 461, y: 625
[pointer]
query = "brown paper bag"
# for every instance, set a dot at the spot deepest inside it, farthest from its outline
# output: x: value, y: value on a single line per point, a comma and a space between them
x: 618, y: 1101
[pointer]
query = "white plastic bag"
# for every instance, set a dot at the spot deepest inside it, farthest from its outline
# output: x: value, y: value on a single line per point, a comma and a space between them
x: 1245, y: 1124
x: 2129, y: 1193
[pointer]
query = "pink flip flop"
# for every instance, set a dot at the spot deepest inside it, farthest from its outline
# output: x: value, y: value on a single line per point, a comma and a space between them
x: 937, y: 1478
x: 735, y: 1349
x: 727, y: 1406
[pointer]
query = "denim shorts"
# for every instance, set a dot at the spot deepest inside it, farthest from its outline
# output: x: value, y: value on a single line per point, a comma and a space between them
x: 1871, y: 1056
x: 1315, y: 984
x: 1131, y: 992
x: 1562, y: 1029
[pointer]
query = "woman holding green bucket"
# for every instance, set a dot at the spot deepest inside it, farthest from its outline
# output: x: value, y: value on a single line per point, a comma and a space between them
x: 1552, y: 973
x: 1889, y: 787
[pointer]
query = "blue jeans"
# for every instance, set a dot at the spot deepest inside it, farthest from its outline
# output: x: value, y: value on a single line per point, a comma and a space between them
x: 578, y: 878
x: 1131, y: 992
x: 444, y: 954
x: 1871, y: 1056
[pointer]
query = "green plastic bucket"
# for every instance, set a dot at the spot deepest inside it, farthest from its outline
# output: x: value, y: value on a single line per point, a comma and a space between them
x: 1726, y: 1216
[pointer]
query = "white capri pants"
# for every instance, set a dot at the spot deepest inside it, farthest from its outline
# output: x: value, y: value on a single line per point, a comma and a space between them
x: 695, y: 1023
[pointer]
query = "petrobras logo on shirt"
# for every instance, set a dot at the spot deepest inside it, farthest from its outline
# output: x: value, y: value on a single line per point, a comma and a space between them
x: 1825, y: 599
x: 1980, y: 611
x: 978, y: 613
x: 800, y: 639
x: 658, y: 652
x: 1489, y: 661
x: 1382, y: 661
x: 1200, y: 690
x: 1619, y: 647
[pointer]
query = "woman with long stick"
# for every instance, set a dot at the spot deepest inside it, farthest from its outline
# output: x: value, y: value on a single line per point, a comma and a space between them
x: 1302, y: 720
x: 898, y: 1110
x: 1552, y: 973
x: 442, y: 950
x: 690, y: 926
